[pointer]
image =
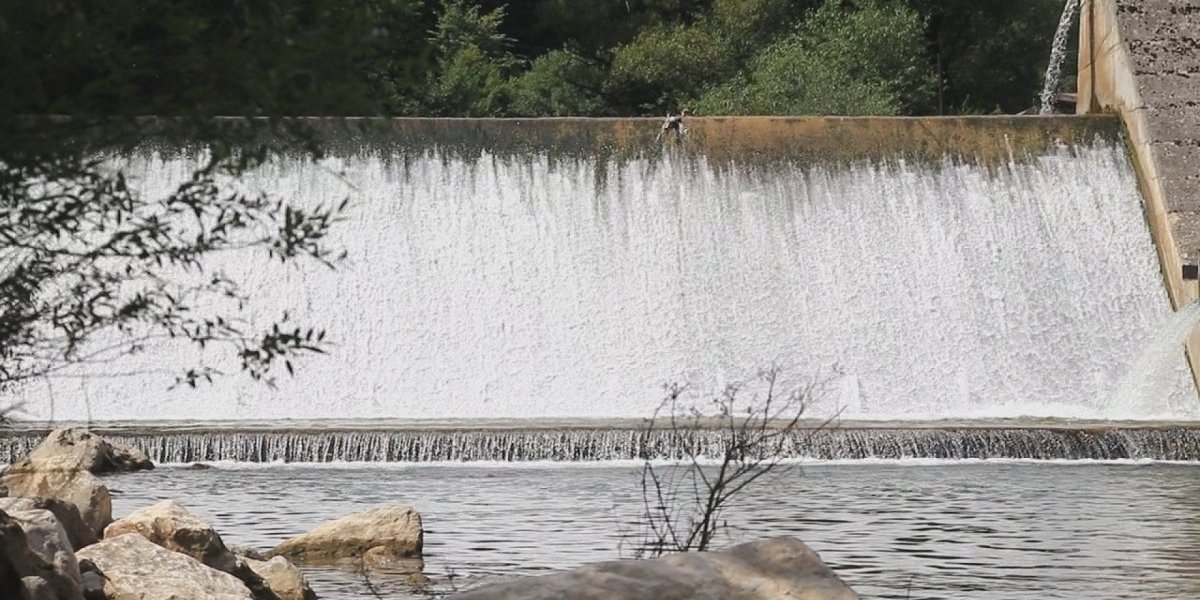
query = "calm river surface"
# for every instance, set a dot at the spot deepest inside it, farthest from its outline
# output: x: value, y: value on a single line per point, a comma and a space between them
x: 996, y: 530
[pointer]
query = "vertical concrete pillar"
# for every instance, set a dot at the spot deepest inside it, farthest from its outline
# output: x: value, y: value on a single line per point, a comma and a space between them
x: 1145, y: 89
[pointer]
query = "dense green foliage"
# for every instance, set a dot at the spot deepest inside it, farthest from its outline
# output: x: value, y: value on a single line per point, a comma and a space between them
x: 540, y: 57
x: 865, y: 62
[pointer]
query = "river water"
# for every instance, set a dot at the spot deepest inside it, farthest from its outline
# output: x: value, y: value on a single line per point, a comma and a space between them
x: 891, y: 529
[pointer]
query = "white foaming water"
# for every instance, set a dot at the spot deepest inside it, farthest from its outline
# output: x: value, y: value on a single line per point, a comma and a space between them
x: 1153, y: 375
x: 538, y: 287
x: 1058, y: 52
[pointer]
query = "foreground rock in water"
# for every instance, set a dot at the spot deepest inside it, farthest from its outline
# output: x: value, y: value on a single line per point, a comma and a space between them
x: 76, y: 448
x: 134, y: 568
x: 62, y: 467
x: 24, y: 573
x: 376, y: 536
x: 171, y: 526
x: 48, y: 539
x: 767, y: 570
x: 78, y: 532
x: 283, y: 577
x: 77, y: 487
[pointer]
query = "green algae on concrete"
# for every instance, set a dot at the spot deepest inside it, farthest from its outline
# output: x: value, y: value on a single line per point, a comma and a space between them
x: 729, y: 141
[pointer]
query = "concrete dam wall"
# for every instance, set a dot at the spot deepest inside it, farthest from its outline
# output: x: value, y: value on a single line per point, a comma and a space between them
x: 568, y: 268
x: 1141, y: 60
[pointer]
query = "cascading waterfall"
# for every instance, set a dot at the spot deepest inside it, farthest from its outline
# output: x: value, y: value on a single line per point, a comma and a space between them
x: 525, y: 285
x: 1150, y: 378
x: 1058, y: 52
x: 425, y: 446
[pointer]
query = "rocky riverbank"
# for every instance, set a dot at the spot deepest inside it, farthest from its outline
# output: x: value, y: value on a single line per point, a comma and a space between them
x: 60, y: 541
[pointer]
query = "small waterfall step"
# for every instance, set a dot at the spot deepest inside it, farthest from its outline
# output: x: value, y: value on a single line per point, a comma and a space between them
x: 421, y: 445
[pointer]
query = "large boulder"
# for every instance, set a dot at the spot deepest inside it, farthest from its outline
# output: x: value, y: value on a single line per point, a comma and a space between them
x: 76, y: 448
x: 381, y: 535
x: 767, y: 570
x: 134, y: 568
x: 171, y: 526
x: 79, y: 488
x: 78, y: 532
x: 283, y: 578
x: 24, y: 573
x: 48, y: 539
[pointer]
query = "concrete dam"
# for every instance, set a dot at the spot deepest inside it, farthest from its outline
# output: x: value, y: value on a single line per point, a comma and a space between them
x: 940, y: 268
x: 523, y: 289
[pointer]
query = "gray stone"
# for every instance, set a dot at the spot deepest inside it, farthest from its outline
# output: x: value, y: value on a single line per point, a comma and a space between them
x: 1185, y: 228
x: 1185, y: 192
x: 48, y: 539
x: 767, y: 570
x: 76, y: 448
x: 134, y: 568
x: 21, y: 568
x: 283, y: 577
x: 78, y: 532
x: 93, y: 586
x: 1168, y: 89
x: 378, y: 535
x: 76, y: 487
x: 1174, y: 123
x: 171, y: 526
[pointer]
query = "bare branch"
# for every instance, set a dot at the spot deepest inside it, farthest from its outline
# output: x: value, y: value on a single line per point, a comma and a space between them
x: 684, y: 504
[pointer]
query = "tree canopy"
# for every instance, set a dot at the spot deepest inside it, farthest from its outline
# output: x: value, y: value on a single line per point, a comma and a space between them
x: 542, y: 57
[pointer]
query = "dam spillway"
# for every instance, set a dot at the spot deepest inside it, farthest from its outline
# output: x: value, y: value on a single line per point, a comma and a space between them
x: 367, y: 444
x: 925, y: 268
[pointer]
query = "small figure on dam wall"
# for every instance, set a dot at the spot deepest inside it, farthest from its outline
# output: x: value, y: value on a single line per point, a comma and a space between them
x: 674, y: 123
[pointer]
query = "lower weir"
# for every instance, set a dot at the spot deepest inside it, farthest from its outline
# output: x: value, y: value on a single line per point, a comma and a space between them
x: 576, y: 444
x: 924, y: 268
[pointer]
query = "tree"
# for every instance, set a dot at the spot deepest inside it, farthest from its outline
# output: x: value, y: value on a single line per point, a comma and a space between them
x: 399, y: 56
x: 473, y: 62
x: 90, y: 267
x: 664, y: 67
x: 669, y: 65
x: 683, y: 506
x: 989, y: 55
x: 558, y: 84
x: 863, y: 61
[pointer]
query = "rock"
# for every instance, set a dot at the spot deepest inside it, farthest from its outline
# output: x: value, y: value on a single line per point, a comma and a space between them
x: 25, y: 571
x: 76, y: 448
x: 247, y: 552
x: 259, y: 588
x: 383, y: 558
x: 391, y: 532
x: 76, y: 487
x: 93, y: 580
x: 134, y: 568
x: 48, y: 539
x: 283, y: 577
x: 78, y: 532
x: 771, y: 569
x: 171, y: 526
x: 37, y: 588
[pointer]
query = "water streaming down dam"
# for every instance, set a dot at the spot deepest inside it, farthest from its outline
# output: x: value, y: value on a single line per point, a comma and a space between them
x: 634, y: 443
x: 975, y: 277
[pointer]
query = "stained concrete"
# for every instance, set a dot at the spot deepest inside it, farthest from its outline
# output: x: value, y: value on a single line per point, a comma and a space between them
x: 1141, y: 59
x: 1162, y: 41
x: 744, y: 141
